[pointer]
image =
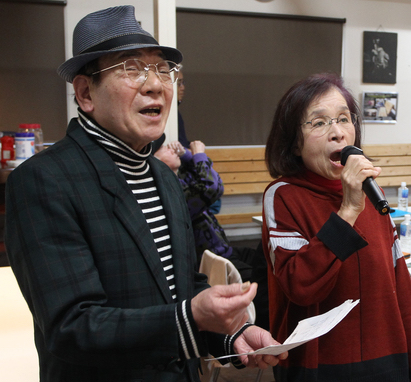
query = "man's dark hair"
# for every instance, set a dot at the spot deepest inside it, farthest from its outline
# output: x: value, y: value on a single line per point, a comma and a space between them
x: 87, y: 70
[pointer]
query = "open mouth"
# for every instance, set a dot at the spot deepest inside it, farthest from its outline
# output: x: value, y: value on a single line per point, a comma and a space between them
x: 151, y: 111
x: 336, y: 157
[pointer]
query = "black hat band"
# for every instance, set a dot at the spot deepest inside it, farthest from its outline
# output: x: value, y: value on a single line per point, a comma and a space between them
x: 117, y: 42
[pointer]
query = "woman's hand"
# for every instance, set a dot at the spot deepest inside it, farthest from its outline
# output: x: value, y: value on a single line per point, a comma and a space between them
x: 197, y: 147
x: 177, y: 147
x: 356, y: 170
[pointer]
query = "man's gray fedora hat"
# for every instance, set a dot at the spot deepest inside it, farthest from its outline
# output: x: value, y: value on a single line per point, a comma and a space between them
x: 106, y: 31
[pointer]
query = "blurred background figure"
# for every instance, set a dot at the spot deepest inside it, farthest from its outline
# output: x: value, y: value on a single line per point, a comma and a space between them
x: 202, y: 186
x: 182, y: 138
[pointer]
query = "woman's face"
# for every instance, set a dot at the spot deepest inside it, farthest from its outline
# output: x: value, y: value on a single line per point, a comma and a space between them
x: 169, y: 157
x: 321, y: 148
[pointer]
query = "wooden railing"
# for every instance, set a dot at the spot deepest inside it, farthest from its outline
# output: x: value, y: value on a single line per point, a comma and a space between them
x: 243, y: 171
x: 395, y: 161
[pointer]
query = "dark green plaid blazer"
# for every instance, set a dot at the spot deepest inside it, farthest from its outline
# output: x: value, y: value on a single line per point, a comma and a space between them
x: 88, y: 267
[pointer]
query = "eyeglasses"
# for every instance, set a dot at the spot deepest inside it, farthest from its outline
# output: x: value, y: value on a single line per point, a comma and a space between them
x: 137, y: 70
x: 320, y: 125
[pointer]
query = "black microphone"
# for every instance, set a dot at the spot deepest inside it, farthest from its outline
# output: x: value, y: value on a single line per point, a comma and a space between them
x: 369, y: 186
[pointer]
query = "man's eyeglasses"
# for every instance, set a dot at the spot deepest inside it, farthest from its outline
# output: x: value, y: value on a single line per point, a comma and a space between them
x: 321, y: 124
x: 137, y: 70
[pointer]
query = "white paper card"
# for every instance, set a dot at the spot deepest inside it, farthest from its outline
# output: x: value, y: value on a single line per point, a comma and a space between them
x: 307, y: 330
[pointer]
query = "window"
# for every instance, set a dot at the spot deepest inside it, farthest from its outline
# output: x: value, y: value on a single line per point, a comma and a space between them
x: 238, y: 65
x: 32, y: 47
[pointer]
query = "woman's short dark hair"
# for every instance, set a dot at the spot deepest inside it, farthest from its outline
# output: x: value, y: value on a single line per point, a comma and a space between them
x: 286, y: 131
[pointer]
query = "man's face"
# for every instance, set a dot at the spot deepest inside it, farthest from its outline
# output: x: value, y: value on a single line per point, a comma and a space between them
x: 134, y: 112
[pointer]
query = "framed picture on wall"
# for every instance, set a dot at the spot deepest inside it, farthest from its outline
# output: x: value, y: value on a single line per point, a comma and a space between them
x: 379, y: 107
x: 380, y: 57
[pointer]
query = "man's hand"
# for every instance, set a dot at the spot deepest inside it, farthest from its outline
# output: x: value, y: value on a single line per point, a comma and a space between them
x: 223, y: 308
x: 254, y: 338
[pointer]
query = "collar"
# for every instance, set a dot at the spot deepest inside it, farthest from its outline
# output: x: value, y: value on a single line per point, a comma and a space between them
x: 332, y: 185
x: 117, y: 149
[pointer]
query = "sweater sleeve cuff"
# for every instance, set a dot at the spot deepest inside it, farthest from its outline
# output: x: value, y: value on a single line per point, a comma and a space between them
x: 186, y: 156
x: 229, y: 346
x: 340, y: 238
x: 191, y: 341
x: 199, y: 157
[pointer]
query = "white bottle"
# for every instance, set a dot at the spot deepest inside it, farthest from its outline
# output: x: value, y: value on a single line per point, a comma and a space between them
x: 405, y: 235
x: 34, y: 128
x: 24, y: 142
x: 403, y: 197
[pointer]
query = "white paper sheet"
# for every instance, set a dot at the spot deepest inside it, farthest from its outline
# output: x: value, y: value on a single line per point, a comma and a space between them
x: 307, y: 330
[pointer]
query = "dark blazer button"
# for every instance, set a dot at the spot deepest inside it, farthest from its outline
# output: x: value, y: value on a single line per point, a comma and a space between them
x: 149, y: 367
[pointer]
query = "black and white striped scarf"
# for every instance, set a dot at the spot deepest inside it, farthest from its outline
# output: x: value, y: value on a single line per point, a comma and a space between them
x: 136, y: 170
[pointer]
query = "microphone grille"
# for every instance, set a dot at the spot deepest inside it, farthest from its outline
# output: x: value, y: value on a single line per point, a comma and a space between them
x: 349, y: 150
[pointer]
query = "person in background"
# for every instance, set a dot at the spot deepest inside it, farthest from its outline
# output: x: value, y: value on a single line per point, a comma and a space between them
x: 202, y: 186
x: 182, y: 137
x: 98, y: 232
x: 325, y: 243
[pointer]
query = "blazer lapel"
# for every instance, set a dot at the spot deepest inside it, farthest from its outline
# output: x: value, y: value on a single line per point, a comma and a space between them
x: 135, y: 222
x: 126, y: 207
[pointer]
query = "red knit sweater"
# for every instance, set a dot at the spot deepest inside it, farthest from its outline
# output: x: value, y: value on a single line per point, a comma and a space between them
x: 316, y: 261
